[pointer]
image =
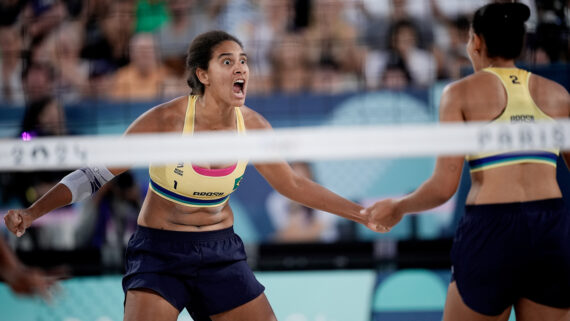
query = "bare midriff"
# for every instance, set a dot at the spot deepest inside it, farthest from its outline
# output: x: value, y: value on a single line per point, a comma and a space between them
x: 159, y: 213
x: 514, y: 183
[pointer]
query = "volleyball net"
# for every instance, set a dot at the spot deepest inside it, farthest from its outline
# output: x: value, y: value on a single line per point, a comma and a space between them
x: 290, y: 144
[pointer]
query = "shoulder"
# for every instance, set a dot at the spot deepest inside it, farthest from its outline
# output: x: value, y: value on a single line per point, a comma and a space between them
x: 253, y: 119
x: 166, y: 117
x: 472, y: 84
x: 540, y: 83
x: 472, y: 89
x: 459, y: 96
x: 550, y: 96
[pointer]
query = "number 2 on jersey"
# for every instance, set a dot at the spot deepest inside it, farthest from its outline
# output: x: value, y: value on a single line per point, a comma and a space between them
x: 515, y: 79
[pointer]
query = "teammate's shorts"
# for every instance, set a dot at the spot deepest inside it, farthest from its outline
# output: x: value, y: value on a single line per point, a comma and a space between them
x: 504, y: 252
x: 204, y: 272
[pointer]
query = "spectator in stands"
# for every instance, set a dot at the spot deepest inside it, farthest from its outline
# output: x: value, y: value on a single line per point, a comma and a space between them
x: 275, y: 23
x: 172, y: 39
x: 143, y: 78
x: 449, y: 48
x: 71, y: 71
x: 187, y: 20
x: 290, y: 65
x: 404, y: 41
x: 150, y: 15
x: 108, y: 37
x: 38, y: 81
x: 376, y: 30
x: 100, y: 80
x: 326, y: 77
x: 235, y: 16
x: 93, y: 11
x: 330, y: 37
x: 41, y: 17
x: 11, y: 91
x: 396, y: 75
x: 549, y: 42
x: 404, y: 45
x: 453, y: 58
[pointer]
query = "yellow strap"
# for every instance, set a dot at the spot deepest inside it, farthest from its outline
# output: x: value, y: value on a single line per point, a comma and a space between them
x: 240, y: 121
x: 190, y: 112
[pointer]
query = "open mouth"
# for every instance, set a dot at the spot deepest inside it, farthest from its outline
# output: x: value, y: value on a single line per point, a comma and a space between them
x: 238, y: 87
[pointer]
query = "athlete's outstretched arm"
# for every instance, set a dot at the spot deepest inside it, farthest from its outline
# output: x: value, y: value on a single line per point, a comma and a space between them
x: 299, y: 188
x: 437, y: 189
x: 78, y: 185
x: 305, y: 191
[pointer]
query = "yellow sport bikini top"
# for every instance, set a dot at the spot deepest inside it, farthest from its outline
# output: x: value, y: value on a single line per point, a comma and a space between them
x: 190, y: 185
x: 520, y: 108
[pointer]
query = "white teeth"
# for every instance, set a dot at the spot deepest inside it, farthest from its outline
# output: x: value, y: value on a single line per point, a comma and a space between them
x: 239, y: 81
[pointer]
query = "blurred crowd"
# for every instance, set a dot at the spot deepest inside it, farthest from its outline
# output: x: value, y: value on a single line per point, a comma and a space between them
x: 135, y: 49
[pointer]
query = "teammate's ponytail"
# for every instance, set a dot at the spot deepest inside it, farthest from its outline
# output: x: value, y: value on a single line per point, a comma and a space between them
x: 502, y: 27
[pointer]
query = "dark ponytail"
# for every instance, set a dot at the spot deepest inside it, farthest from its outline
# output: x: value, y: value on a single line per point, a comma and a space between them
x: 501, y: 25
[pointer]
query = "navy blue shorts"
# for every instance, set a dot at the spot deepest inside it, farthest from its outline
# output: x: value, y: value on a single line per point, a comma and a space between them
x: 204, y: 272
x: 503, y: 252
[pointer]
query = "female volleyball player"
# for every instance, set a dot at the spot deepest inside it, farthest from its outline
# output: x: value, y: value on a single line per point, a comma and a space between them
x: 184, y: 252
x: 512, y: 247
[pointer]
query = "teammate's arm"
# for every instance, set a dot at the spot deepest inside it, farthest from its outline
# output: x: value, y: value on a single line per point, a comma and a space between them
x: 77, y: 185
x: 435, y: 191
x: 443, y: 183
x: 298, y: 188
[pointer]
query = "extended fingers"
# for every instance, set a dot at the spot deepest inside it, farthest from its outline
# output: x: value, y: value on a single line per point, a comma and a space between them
x: 382, y: 229
x: 42, y: 285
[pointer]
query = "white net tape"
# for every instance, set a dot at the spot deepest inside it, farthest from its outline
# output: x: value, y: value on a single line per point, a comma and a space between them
x: 300, y: 143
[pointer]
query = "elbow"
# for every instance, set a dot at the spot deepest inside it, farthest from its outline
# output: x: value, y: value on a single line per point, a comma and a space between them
x: 444, y: 193
x: 291, y: 188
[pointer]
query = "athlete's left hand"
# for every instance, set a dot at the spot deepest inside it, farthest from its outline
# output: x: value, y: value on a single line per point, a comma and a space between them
x: 383, y: 215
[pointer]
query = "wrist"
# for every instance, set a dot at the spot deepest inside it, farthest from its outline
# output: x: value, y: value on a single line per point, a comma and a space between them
x: 32, y: 212
x: 358, y: 217
x: 400, y: 206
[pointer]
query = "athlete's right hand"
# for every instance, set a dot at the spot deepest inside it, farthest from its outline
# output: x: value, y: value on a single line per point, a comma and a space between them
x: 17, y: 221
x: 24, y: 280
